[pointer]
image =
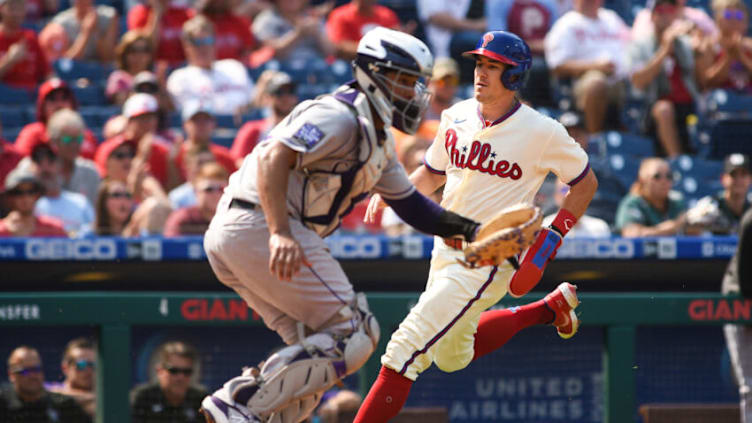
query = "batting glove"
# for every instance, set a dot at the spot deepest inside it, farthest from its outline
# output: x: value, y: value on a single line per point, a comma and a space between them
x: 540, y: 254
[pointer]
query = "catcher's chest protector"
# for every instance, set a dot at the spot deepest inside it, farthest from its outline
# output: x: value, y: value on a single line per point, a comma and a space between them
x: 329, y: 192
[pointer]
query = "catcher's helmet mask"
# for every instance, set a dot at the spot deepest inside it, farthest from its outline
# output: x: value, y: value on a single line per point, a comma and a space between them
x: 382, y: 51
x: 508, y: 49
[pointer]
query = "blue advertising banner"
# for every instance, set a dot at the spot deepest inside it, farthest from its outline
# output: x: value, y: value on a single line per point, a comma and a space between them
x: 353, y: 247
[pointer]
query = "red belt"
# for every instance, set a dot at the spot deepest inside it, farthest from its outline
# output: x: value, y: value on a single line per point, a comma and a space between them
x: 455, y: 243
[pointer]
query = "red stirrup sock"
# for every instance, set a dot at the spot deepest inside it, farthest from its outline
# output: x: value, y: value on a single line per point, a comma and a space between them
x: 385, y: 399
x: 497, y: 327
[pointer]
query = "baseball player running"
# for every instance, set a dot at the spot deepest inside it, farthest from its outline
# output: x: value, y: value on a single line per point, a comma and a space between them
x: 289, y: 194
x: 492, y: 152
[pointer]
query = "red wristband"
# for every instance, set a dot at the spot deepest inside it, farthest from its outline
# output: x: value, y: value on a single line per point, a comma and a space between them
x: 564, y: 221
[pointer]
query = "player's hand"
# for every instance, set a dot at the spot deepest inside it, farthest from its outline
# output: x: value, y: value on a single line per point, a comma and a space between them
x: 376, y: 204
x: 534, y: 262
x: 286, y: 256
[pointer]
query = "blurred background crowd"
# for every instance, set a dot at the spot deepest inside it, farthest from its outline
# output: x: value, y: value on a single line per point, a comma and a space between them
x: 126, y: 118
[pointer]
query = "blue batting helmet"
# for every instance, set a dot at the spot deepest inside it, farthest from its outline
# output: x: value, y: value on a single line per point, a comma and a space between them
x: 509, y: 49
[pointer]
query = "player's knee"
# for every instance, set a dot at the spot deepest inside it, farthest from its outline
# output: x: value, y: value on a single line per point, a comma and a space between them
x: 452, y: 364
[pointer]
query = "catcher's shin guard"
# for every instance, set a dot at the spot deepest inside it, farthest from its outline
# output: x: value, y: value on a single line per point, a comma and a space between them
x: 220, y: 408
x: 291, y: 381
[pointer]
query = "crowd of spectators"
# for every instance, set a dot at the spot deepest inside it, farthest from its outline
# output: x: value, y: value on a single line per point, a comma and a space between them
x: 173, y: 393
x: 144, y: 108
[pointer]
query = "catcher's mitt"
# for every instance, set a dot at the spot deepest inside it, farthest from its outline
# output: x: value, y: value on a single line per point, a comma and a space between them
x: 505, y: 235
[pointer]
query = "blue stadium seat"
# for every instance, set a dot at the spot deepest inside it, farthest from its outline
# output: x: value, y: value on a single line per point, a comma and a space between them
x: 225, y: 121
x: 729, y: 102
x: 90, y: 95
x: 13, y: 116
x: 10, y: 134
x: 632, y: 115
x: 611, y: 189
x: 309, y: 91
x: 624, y: 168
x: 696, y: 177
x: 341, y: 71
x: 625, y: 144
x: 97, y: 116
x: 623, y: 7
x: 547, y: 111
x: 253, y: 114
x: 175, y: 120
x: 224, y: 137
x: 15, y: 96
x: 407, y: 10
x: 730, y: 135
x: 71, y: 70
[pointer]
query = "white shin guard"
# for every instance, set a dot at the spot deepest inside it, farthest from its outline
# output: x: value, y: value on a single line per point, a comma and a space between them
x: 292, y: 380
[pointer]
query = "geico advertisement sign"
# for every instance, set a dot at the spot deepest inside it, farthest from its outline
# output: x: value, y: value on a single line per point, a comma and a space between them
x: 64, y: 249
x: 354, y: 246
x: 617, y: 248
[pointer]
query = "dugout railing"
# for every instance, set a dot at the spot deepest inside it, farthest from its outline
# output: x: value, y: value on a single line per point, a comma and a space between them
x: 115, y: 313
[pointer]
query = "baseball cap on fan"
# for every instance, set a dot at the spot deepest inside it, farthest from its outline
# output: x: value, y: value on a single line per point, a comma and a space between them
x: 445, y: 66
x: 278, y: 81
x: 145, y: 82
x: 194, y: 108
x: 139, y: 104
x: 736, y: 161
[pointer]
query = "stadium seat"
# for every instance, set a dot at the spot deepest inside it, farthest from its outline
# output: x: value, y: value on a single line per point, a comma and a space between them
x: 253, y: 114
x: 726, y: 102
x: 623, y: 7
x: 611, y: 190
x: 10, y: 134
x: 547, y: 111
x: 624, y: 168
x: 730, y: 135
x: 341, y: 71
x: 174, y: 120
x: 309, y: 91
x: 696, y: 177
x: 97, y: 116
x: 13, y: 116
x: 15, y: 96
x: 224, y: 136
x: 90, y: 95
x: 71, y: 70
x: 225, y: 121
x: 624, y: 143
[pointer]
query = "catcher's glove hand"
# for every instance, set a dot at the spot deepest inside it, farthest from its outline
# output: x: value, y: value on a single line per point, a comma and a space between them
x: 504, y: 236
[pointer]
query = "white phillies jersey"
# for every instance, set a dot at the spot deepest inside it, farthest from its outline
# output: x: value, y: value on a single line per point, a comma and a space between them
x: 490, y: 167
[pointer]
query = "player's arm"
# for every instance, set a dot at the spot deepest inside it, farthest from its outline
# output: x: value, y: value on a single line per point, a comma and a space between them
x: 286, y: 254
x: 425, y: 215
x: 425, y: 181
x: 578, y: 198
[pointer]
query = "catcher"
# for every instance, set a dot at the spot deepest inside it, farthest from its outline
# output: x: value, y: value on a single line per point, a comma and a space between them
x: 492, y: 152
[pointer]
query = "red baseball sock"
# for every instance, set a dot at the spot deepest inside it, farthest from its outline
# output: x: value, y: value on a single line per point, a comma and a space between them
x: 385, y: 399
x: 497, y: 327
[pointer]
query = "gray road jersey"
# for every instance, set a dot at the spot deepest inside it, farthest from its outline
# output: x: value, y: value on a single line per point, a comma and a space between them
x: 341, y: 160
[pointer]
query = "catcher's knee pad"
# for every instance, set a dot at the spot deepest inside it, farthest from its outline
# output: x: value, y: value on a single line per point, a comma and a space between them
x: 309, y: 367
x: 297, y: 410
